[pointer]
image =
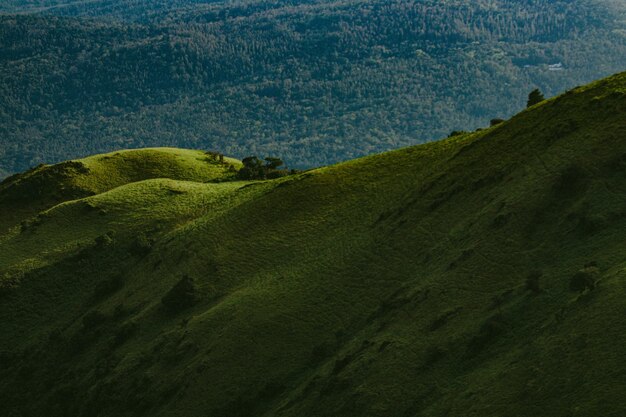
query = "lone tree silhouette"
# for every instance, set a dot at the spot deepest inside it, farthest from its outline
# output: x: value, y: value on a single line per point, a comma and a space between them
x: 254, y: 169
x: 535, y: 96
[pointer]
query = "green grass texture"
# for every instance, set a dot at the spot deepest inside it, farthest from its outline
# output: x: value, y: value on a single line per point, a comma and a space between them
x: 480, y: 275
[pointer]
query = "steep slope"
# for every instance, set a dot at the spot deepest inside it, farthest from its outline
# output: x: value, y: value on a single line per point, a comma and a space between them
x: 47, y: 185
x: 315, y: 82
x: 480, y: 275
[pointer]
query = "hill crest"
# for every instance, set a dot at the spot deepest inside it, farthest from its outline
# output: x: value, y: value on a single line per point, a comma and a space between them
x: 479, y: 275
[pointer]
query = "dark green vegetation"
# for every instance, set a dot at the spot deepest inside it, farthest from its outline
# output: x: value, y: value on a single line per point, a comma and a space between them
x: 313, y: 81
x: 256, y: 169
x: 535, y: 97
x: 483, y: 275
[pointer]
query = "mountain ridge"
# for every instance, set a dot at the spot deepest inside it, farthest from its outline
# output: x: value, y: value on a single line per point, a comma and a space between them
x: 479, y: 275
x: 45, y: 186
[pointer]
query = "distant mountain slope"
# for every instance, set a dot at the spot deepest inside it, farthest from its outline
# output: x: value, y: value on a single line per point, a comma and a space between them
x: 480, y: 275
x: 312, y: 82
x: 123, y: 9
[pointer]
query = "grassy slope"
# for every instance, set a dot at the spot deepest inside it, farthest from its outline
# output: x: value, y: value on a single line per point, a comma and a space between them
x: 45, y: 186
x: 388, y: 285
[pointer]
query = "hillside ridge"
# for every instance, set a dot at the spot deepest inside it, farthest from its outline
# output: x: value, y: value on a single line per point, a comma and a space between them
x: 44, y: 186
x: 482, y: 274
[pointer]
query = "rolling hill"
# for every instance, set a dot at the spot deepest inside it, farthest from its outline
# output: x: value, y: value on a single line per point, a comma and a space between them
x: 46, y: 186
x: 480, y: 275
x: 314, y: 82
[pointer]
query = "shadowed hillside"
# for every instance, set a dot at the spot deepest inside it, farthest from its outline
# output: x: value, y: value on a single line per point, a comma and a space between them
x: 481, y: 275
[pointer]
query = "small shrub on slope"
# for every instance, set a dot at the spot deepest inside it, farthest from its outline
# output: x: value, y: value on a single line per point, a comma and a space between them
x: 182, y: 295
x: 535, y: 97
x: 585, y: 279
x: 142, y: 245
x: 105, y: 240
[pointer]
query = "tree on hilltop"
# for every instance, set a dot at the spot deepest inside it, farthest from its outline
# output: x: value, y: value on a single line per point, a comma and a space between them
x: 535, y: 97
x: 254, y: 169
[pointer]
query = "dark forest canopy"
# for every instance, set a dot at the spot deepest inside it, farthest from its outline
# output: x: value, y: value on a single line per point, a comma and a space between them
x: 315, y: 82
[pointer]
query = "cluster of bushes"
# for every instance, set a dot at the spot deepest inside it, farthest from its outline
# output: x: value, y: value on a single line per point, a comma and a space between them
x: 10, y: 280
x: 106, y: 239
x: 142, y: 245
x: 457, y: 133
x: 256, y: 169
x: 215, y: 156
x: 585, y: 279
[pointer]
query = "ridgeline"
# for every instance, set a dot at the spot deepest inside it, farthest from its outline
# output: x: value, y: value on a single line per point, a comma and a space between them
x: 481, y: 275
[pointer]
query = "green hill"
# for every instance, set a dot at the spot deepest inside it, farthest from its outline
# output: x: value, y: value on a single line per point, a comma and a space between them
x: 47, y: 185
x: 481, y: 275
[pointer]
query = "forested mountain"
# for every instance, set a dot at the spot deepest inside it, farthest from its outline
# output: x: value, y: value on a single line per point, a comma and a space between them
x: 119, y: 9
x: 480, y: 275
x: 315, y: 82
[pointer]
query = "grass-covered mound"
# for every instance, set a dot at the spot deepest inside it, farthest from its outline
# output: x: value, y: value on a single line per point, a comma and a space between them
x: 46, y: 185
x: 480, y: 275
